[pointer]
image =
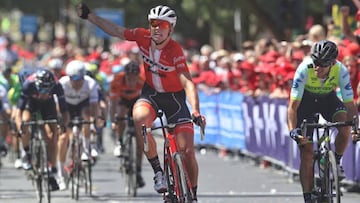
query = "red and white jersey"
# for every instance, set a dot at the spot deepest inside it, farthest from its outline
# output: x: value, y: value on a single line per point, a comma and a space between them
x: 162, y: 67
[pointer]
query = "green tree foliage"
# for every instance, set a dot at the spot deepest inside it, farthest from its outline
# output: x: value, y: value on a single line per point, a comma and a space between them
x: 198, y: 19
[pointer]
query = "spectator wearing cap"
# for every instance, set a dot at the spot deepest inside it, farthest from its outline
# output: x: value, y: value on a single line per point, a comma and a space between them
x: 351, y: 64
x: 283, y: 75
x: 207, y: 80
x: 263, y: 79
x: 247, y: 82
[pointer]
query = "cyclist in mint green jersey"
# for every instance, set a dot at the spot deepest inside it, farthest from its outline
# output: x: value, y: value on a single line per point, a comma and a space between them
x: 313, y: 91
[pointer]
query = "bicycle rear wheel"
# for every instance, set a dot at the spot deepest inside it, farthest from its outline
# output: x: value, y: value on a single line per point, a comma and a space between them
x: 87, y: 174
x: 131, y: 166
x: 332, y: 180
x: 185, y: 193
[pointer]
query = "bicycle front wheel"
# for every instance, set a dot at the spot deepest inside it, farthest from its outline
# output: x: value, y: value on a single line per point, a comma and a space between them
x: 45, y: 171
x: 37, y: 171
x: 185, y: 194
x: 75, y: 173
x: 332, y: 180
x: 131, y: 167
x: 87, y: 170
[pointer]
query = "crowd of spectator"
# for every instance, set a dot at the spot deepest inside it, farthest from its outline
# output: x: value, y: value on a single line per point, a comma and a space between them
x: 262, y: 67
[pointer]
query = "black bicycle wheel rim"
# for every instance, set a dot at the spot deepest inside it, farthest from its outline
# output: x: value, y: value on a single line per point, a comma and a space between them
x: 170, y: 196
x: 318, y: 177
x: 45, y: 171
x: 131, y: 173
x: 76, y: 170
x: 36, y: 168
x: 334, y: 183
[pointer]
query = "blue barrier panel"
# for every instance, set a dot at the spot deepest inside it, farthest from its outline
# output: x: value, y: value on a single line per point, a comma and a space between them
x: 208, y: 108
x: 259, y: 125
x: 252, y: 138
x: 231, y: 125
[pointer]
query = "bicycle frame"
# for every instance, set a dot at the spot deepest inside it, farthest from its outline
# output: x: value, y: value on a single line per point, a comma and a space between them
x: 179, y: 186
x: 39, y: 156
x: 327, y: 186
x: 78, y: 167
x: 129, y: 162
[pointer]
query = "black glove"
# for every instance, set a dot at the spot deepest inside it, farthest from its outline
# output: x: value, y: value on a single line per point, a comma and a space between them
x: 295, y: 133
x: 197, y: 118
x: 84, y: 10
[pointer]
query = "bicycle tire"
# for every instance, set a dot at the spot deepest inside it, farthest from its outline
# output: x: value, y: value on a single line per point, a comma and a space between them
x: 332, y: 179
x: 45, y: 171
x: 36, y: 168
x: 131, y: 167
x: 170, y: 196
x: 318, y: 177
x: 185, y: 194
x: 87, y: 171
x: 75, y: 175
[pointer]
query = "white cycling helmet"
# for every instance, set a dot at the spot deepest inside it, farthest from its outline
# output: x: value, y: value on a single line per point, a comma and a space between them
x: 163, y: 13
x: 75, y: 69
x: 55, y: 63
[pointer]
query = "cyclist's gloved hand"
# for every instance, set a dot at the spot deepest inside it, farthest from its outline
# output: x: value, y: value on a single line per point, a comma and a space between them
x: 83, y: 10
x: 198, y: 119
x: 295, y: 133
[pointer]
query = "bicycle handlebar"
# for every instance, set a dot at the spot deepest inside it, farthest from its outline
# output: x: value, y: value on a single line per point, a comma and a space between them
x: 39, y: 122
x: 80, y: 122
x: 352, y: 123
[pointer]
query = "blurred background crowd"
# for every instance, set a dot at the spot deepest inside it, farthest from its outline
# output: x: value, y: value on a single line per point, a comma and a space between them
x: 264, y: 65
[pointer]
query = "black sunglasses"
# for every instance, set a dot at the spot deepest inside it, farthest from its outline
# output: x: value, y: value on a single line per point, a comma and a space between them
x: 323, y: 64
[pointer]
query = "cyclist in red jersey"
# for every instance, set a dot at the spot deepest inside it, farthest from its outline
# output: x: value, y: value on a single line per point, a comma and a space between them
x: 167, y: 84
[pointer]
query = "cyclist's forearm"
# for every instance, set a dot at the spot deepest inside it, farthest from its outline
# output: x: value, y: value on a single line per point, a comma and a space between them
x: 107, y: 26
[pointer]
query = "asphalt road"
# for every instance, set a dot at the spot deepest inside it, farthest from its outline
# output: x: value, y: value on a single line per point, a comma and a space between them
x: 228, y: 179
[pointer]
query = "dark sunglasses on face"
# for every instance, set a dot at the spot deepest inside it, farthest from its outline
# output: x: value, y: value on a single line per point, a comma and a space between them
x: 76, y: 78
x: 159, y: 23
x: 323, y: 65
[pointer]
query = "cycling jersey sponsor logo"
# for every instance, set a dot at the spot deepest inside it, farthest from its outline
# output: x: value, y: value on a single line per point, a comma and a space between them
x: 295, y: 85
x: 180, y: 58
x: 319, y: 89
x: 348, y: 86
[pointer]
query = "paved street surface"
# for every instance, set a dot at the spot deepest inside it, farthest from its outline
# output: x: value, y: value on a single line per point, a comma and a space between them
x: 229, y: 179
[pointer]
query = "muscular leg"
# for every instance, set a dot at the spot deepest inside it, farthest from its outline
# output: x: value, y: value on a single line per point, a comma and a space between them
x: 185, y: 143
x: 306, y: 168
x: 342, y: 139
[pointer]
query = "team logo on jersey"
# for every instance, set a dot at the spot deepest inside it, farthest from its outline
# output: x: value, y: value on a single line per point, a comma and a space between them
x: 348, y: 86
x: 295, y: 85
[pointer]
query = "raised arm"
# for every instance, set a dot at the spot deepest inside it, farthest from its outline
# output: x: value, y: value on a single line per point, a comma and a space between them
x: 345, y: 25
x: 107, y: 26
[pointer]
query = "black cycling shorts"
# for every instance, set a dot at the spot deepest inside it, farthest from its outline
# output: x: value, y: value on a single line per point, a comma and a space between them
x: 172, y: 104
x: 76, y: 110
x: 47, y: 108
x: 327, y: 105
